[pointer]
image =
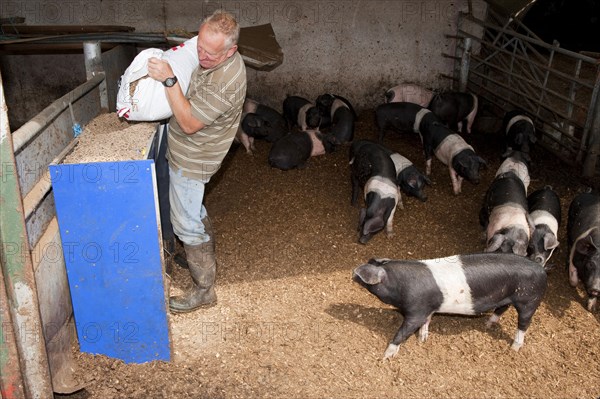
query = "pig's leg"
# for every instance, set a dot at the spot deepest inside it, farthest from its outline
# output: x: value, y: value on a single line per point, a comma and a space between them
x: 573, y: 277
x: 355, y: 190
x: 247, y: 142
x: 389, y: 226
x: 381, y: 135
x: 409, y: 326
x: 592, y: 303
x: 424, y: 330
x: 456, y: 181
x: 525, y: 312
x: 495, y: 317
x: 518, y: 341
x: 471, y: 116
x: 428, y: 166
x: 400, y: 203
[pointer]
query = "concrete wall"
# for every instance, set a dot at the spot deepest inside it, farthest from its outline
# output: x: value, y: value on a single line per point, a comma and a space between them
x: 355, y: 48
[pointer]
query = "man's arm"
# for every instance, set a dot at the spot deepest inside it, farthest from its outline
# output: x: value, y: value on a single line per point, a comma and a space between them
x: 160, y: 70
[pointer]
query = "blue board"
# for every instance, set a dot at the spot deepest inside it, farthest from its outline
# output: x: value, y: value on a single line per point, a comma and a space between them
x: 107, y: 216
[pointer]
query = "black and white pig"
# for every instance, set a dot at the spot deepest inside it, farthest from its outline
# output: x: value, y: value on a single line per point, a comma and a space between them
x: 342, y: 121
x: 519, y: 132
x: 452, y: 150
x: 373, y: 170
x: 409, y: 92
x: 517, y: 163
x: 241, y: 136
x: 403, y: 117
x: 325, y: 103
x: 504, y: 216
x: 583, y: 233
x: 545, y: 213
x: 298, y: 111
x: 456, y: 109
x: 264, y: 123
x: 410, y: 180
x: 294, y: 149
x: 461, y: 284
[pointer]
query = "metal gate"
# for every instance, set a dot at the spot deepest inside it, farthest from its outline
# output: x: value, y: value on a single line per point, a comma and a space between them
x: 510, y: 67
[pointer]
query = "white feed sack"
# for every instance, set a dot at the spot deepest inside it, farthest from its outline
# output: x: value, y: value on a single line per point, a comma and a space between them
x: 141, y: 98
x: 107, y: 138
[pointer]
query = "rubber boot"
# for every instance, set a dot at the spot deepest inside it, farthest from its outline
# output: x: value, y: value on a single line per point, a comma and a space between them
x: 203, y: 269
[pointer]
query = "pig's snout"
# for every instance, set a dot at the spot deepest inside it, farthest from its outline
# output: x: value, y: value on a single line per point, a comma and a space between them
x: 539, y: 259
x: 364, y: 239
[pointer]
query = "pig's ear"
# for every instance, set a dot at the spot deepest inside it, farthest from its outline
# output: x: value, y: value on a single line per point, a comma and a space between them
x: 586, y: 246
x: 520, y: 248
x: 373, y: 225
x: 378, y: 261
x: 550, y: 241
x: 532, y: 138
x: 495, y: 242
x: 482, y: 162
x: 370, y: 274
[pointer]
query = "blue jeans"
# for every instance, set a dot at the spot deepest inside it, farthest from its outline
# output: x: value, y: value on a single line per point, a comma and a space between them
x: 187, y: 210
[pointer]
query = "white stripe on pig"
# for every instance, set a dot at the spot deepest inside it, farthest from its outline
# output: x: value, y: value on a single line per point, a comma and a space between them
x: 317, y: 145
x: 504, y: 216
x: 418, y: 119
x: 545, y: 217
x: 517, y: 119
x: 518, y: 168
x: 449, y: 147
x: 337, y: 103
x: 400, y: 162
x: 382, y: 186
x: 302, y: 115
x: 450, y: 278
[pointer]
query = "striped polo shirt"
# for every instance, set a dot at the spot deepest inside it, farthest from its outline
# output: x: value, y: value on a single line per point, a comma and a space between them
x: 217, y: 97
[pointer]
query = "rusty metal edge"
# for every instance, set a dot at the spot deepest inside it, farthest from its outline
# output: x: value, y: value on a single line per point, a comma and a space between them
x: 17, y: 271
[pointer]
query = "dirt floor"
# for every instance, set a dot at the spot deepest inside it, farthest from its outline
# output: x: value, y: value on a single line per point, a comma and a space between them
x: 290, y: 323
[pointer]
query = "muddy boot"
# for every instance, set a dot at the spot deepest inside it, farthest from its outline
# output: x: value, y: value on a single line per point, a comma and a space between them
x: 203, y: 268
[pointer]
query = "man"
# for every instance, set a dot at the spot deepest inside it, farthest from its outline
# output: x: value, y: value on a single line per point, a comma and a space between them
x: 201, y: 130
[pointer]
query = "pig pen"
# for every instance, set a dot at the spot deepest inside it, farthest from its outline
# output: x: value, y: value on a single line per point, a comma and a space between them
x: 290, y: 322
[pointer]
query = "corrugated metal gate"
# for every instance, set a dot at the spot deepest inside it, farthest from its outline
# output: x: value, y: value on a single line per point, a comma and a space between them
x: 510, y: 67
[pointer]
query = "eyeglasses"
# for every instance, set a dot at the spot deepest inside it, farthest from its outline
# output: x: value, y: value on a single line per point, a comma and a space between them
x: 202, y: 52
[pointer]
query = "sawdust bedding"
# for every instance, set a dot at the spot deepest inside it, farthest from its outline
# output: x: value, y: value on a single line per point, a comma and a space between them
x: 290, y: 323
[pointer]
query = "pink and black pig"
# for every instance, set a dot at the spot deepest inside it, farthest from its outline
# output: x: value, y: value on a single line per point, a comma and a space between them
x: 403, y: 117
x: 325, y: 103
x: 337, y: 112
x: 460, y: 284
x: 242, y: 136
x: 295, y: 149
x: 410, y: 179
x: 264, y: 123
x: 518, y: 163
x: 452, y: 150
x: 504, y: 216
x: 519, y: 132
x: 457, y: 110
x: 545, y: 213
x: 298, y: 111
x: 409, y: 92
x: 583, y: 234
x: 373, y: 171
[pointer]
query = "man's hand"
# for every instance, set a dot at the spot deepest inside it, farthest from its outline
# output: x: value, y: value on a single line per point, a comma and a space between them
x: 159, y: 69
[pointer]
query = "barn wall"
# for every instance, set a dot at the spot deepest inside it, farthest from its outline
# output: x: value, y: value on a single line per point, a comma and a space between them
x: 351, y: 47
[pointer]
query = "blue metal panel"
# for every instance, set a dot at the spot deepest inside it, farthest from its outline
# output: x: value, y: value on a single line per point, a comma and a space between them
x: 110, y: 237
